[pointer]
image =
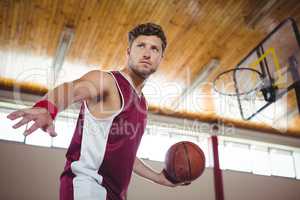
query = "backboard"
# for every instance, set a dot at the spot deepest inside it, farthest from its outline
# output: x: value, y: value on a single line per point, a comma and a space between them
x: 277, y: 57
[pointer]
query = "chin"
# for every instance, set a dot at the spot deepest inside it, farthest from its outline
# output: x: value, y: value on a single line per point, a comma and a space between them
x: 142, y: 70
x: 144, y: 73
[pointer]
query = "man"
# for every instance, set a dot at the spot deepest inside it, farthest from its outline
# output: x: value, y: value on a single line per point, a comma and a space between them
x: 112, y: 119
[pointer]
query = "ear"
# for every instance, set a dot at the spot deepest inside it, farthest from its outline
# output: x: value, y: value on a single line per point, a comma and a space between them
x: 128, y: 51
x: 162, y: 53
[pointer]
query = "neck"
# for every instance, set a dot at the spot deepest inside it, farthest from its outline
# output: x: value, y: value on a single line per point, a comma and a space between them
x: 137, y: 81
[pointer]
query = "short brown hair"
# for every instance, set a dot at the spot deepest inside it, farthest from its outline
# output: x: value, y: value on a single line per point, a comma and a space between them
x: 148, y: 29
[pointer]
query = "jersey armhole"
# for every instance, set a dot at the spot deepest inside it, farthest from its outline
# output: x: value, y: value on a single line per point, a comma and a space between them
x: 116, y: 113
x: 120, y: 95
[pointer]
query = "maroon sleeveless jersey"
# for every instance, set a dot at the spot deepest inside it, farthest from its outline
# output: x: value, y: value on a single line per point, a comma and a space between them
x: 102, y: 152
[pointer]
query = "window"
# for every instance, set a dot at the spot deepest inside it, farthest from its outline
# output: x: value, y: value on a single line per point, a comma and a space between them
x: 260, y: 160
x: 7, y: 132
x: 237, y: 156
x: 296, y: 156
x: 38, y: 138
x: 64, y: 128
x: 234, y: 154
x: 282, y: 163
x: 154, y: 145
x: 157, y: 140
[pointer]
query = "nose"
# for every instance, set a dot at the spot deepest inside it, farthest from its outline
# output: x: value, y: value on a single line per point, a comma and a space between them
x: 146, y: 54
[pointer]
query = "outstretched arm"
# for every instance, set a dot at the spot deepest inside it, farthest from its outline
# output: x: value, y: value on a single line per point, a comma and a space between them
x: 89, y: 86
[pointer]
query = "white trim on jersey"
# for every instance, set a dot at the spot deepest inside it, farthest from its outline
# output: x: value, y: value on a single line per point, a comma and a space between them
x: 87, y: 181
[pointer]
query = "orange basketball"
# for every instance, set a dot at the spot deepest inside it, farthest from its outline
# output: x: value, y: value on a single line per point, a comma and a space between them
x: 184, y: 162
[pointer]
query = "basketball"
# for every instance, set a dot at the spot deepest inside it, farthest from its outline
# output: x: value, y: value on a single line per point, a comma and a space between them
x: 184, y: 162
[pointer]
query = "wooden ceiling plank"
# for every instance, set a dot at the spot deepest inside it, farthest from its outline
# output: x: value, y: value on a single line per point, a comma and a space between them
x: 262, y: 9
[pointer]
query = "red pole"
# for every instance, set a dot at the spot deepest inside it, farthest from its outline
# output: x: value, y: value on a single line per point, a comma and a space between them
x: 218, y: 179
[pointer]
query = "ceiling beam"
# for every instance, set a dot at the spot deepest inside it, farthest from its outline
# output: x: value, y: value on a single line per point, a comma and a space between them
x: 61, y: 51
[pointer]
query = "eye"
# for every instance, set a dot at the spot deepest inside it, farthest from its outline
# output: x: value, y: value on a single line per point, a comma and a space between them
x: 155, y: 49
x: 141, y: 45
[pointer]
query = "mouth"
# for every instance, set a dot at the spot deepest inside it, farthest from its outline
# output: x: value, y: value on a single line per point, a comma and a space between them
x: 145, y: 62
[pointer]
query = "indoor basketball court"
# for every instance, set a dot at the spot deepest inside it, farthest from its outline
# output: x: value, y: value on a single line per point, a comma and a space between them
x: 192, y: 99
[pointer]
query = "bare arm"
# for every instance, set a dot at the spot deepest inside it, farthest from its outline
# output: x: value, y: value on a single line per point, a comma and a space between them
x: 89, y: 86
x: 141, y: 169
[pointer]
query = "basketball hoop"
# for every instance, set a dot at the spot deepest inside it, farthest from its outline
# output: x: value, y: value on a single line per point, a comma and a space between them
x: 244, y: 83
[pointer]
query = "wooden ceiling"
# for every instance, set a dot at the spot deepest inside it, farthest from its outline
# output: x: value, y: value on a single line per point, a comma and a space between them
x: 197, y: 31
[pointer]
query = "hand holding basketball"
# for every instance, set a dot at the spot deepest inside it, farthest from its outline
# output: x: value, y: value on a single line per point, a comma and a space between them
x: 184, y: 163
x: 163, y: 180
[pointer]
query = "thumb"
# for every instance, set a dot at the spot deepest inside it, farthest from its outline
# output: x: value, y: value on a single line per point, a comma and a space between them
x: 51, y: 130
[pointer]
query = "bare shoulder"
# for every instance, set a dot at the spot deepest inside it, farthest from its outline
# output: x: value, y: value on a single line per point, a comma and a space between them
x: 96, y: 75
x: 105, y: 84
x: 93, y: 84
x: 99, y: 79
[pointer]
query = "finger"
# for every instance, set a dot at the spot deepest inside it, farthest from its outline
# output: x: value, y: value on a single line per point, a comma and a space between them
x: 185, y: 184
x: 173, y: 185
x: 20, y: 113
x: 16, y: 114
x: 33, y: 128
x: 51, y: 130
x: 25, y: 120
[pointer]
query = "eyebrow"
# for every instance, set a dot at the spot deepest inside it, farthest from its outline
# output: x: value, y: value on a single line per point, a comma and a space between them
x: 152, y: 45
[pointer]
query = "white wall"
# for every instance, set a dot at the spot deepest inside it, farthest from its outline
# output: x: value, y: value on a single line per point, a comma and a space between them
x: 32, y: 173
x: 244, y: 186
x: 202, y: 188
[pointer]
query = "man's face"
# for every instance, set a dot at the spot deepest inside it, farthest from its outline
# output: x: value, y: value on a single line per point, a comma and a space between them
x: 144, y: 55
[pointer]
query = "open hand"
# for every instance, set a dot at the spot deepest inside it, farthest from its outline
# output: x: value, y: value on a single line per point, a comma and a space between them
x: 41, y: 117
